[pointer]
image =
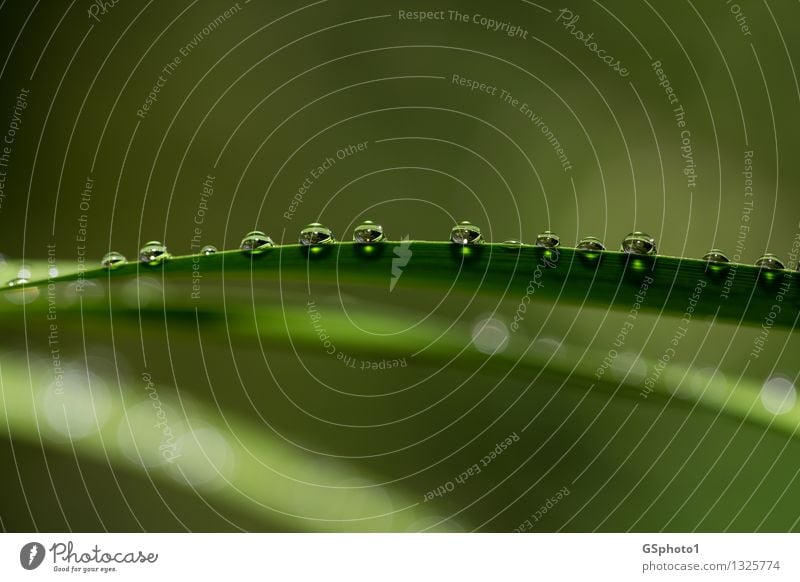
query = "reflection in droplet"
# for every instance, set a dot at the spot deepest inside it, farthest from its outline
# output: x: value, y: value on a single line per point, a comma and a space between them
x: 368, y: 232
x: 716, y: 256
x: 153, y: 253
x: 548, y: 240
x: 769, y: 262
x: 208, y: 250
x: 316, y: 234
x: 717, y: 262
x: 112, y: 260
x: 590, y: 243
x: 490, y: 336
x: 639, y: 243
x: 466, y: 233
x: 255, y: 243
x: 778, y: 395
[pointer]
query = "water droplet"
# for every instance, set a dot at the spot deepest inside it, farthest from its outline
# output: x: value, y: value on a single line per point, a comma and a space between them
x: 778, y: 395
x: 716, y: 256
x: 590, y: 243
x: 548, y: 240
x: 18, y: 282
x: 769, y: 261
x: 717, y: 262
x: 112, y: 260
x: 466, y: 233
x: 589, y: 249
x: 255, y: 243
x: 639, y: 243
x: 368, y: 232
x: 153, y: 253
x: 315, y: 234
x: 52, y: 272
x: 208, y: 250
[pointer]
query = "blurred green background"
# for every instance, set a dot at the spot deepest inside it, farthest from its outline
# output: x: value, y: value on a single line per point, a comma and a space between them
x: 272, y: 433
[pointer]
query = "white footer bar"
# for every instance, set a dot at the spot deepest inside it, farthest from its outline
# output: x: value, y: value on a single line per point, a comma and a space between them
x: 400, y: 557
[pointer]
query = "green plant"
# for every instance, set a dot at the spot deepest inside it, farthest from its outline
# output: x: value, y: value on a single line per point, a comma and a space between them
x: 271, y: 300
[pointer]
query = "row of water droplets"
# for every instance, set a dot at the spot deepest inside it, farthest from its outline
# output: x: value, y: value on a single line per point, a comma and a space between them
x: 636, y: 243
x: 368, y: 232
x: 254, y: 243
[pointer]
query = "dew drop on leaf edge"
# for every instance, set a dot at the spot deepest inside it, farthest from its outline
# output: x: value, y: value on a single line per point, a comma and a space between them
x: 153, y: 253
x: 255, y: 243
x: 716, y: 256
x: 465, y: 233
x: 316, y: 234
x: 113, y: 260
x: 769, y: 262
x: 639, y: 243
x: 548, y: 240
x: 368, y: 233
x: 590, y: 243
